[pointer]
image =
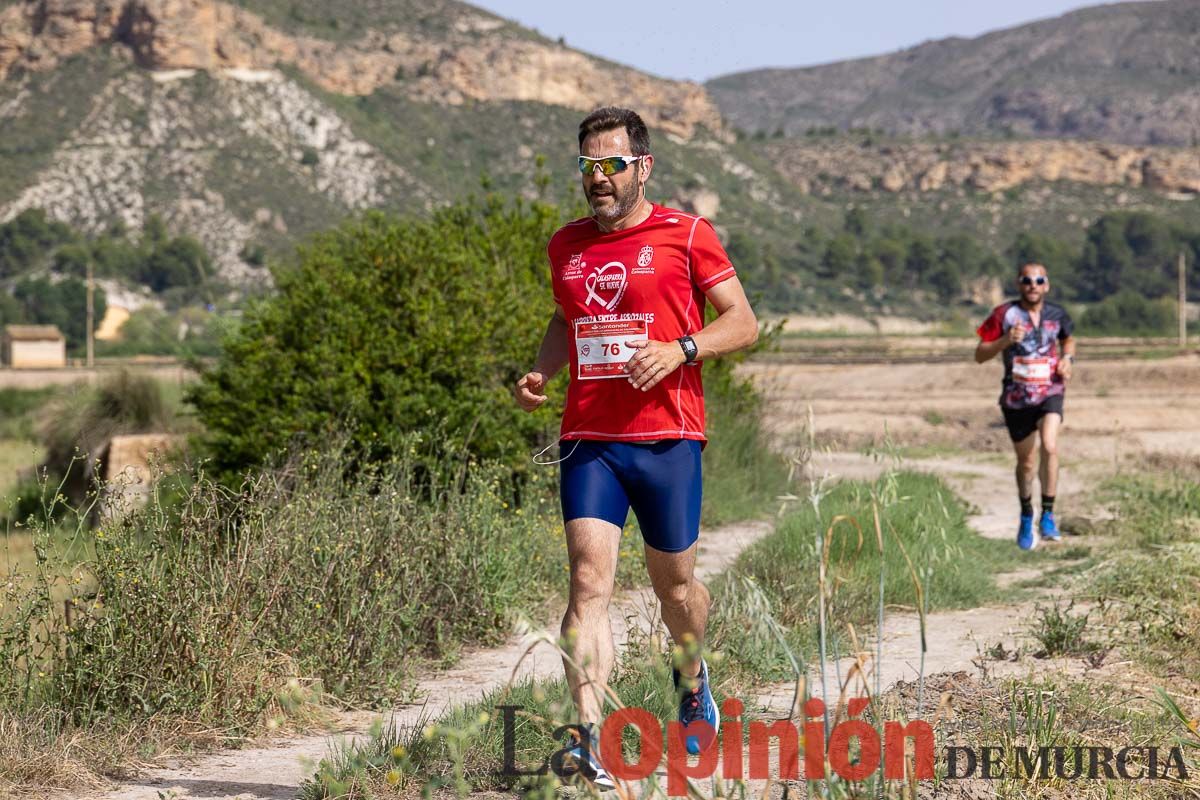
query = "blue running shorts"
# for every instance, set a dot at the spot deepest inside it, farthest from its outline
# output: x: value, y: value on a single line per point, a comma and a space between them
x: 659, y: 480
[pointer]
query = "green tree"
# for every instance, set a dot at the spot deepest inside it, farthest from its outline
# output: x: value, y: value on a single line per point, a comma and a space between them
x: 1058, y: 257
x: 171, y: 263
x: 385, y: 327
x: 856, y: 223
x: 922, y: 259
x: 62, y: 303
x: 1128, y: 313
x: 892, y: 254
x: 28, y: 239
x: 1129, y: 250
x: 870, y: 271
x: 840, y: 259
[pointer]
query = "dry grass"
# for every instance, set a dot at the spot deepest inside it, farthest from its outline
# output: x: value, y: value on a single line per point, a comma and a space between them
x: 43, y: 752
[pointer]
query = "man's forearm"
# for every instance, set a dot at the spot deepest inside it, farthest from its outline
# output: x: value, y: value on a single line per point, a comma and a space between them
x: 986, y: 351
x: 553, y: 354
x: 733, y: 330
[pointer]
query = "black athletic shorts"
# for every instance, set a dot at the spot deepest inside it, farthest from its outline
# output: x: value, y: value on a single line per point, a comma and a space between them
x: 1023, y: 421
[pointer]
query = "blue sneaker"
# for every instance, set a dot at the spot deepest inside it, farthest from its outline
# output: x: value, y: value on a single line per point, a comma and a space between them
x: 585, y: 761
x: 1049, y: 527
x: 697, y: 705
x: 1025, y: 538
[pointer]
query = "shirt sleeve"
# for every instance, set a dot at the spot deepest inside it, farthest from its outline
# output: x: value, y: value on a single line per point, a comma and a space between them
x: 707, y: 260
x: 554, y: 286
x: 992, y: 327
x: 1066, y: 328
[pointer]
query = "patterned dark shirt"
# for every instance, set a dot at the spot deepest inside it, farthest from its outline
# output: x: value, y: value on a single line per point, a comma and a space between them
x: 1030, y: 367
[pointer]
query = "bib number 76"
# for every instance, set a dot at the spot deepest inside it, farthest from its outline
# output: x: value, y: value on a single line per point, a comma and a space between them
x: 600, y: 349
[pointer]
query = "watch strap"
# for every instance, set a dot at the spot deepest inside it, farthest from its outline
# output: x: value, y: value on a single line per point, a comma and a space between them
x: 690, y: 351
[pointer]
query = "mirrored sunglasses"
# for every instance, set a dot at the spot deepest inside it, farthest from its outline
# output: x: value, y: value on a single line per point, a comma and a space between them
x: 609, y: 165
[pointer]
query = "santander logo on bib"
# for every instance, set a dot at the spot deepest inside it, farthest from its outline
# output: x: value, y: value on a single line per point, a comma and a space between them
x: 606, y: 286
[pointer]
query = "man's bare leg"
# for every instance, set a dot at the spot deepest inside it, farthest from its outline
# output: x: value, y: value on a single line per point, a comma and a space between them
x: 592, y: 547
x: 1027, y: 453
x: 684, y: 599
x: 1049, y: 426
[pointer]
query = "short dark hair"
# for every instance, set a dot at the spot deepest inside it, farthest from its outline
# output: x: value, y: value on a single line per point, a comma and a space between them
x: 1021, y: 267
x: 609, y: 117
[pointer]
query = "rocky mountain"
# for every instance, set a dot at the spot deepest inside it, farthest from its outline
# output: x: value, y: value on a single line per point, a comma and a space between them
x: 266, y: 120
x: 1128, y: 72
x: 251, y: 123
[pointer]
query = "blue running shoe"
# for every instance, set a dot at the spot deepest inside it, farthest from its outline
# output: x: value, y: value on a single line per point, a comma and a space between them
x: 585, y: 761
x: 697, y: 705
x: 1025, y: 538
x: 1049, y: 527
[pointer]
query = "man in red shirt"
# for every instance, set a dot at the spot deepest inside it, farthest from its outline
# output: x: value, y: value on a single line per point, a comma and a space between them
x: 630, y: 285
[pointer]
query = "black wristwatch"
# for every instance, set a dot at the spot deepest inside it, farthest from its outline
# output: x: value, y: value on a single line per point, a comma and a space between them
x: 690, y: 351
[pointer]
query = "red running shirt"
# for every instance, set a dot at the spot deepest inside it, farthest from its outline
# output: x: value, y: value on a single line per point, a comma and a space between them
x: 647, y: 282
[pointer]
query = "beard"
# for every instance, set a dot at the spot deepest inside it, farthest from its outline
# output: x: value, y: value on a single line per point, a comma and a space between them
x: 623, y: 201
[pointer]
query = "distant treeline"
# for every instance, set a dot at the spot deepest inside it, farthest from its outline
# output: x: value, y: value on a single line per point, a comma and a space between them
x: 43, y: 264
x: 1126, y: 254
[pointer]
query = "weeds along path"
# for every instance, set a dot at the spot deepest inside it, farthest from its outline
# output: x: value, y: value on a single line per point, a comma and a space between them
x: 275, y: 772
x: 955, y: 640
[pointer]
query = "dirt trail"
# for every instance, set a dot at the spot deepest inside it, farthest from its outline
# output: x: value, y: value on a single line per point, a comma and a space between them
x: 954, y: 639
x: 276, y: 771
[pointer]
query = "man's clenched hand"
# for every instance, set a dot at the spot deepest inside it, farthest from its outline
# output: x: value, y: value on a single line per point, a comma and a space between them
x: 531, y: 391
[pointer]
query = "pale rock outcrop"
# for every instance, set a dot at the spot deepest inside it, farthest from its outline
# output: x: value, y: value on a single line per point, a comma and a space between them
x: 985, y: 166
x: 473, y: 62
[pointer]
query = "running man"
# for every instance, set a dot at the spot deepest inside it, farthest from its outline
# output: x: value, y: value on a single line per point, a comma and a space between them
x: 1029, y: 332
x: 630, y: 286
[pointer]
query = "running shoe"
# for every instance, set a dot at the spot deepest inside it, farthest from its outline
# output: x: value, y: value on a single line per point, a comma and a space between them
x: 1025, y: 538
x: 1049, y: 527
x: 697, y: 705
x: 585, y: 761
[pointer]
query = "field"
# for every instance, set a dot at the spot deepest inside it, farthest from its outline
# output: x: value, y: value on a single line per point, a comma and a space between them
x: 1065, y: 623
x: 1128, y: 403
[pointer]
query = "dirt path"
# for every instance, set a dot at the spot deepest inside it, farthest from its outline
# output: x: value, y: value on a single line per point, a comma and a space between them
x: 955, y: 639
x: 275, y: 772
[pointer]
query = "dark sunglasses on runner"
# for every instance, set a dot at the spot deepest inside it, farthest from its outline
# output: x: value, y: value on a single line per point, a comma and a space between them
x: 1040, y: 280
x: 609, y: 165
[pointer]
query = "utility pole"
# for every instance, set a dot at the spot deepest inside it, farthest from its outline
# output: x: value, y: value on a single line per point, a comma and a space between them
x: 1182, y: 300
x: 91, y: 313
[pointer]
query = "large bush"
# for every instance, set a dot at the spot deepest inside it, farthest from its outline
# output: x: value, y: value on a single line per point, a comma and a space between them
x: 1128, y: 313
x: 388, y: 326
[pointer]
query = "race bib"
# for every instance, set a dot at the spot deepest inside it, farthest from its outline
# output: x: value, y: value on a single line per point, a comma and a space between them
x: 600, y: 346
x: 1031, y: 370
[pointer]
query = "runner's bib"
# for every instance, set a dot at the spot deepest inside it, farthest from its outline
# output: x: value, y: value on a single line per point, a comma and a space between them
x: 601, y: 346
x: 1031, y: 370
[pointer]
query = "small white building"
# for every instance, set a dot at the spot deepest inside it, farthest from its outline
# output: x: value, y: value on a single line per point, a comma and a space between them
x: 33, y: 347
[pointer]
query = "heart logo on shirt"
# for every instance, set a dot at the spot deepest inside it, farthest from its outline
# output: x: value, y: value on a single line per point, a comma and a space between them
x: 606, y: 286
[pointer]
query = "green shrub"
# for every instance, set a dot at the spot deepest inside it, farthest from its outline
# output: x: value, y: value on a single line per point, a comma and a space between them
x: 387, y: 327
x: 1128, y: 313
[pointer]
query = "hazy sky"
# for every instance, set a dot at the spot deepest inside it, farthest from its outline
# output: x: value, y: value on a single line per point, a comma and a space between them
x: 701, y: 39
